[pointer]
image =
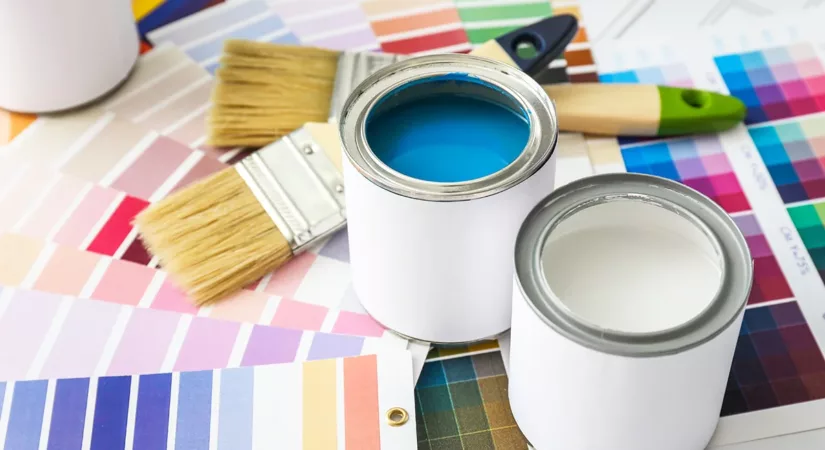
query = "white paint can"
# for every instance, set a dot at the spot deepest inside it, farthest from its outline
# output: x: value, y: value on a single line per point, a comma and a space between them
x: 431, y: 254
x: 63, y: 54
x: 629, y: 294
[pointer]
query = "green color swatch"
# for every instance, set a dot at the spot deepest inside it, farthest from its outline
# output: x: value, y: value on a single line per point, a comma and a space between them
x: 809, y: 221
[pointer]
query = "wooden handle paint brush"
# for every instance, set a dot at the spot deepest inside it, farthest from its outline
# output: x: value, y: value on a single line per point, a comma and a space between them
x: 643, y: 110
x: 263, y: 91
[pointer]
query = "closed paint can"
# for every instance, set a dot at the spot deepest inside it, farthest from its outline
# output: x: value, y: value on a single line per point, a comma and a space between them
x: 445, y: 156
x: 629, y: 294
x: 59, y: 55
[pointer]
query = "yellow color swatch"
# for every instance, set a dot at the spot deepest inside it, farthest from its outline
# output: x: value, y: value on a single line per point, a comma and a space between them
x: 142, y: 8
x: 320, y: 405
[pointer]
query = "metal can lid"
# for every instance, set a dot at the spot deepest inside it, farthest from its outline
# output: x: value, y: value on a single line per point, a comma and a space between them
x: 709, y: 218
x: 491, y: 76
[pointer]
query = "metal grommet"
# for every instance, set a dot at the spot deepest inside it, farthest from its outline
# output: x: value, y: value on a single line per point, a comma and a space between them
x: 397, y: 416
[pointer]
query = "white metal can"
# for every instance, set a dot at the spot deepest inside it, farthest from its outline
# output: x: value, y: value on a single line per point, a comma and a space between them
x: 432, y: 260
x: 629, y: 293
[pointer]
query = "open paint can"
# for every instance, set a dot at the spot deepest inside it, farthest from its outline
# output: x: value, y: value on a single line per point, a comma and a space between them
x: 445, y: 156
x: 628, y: 298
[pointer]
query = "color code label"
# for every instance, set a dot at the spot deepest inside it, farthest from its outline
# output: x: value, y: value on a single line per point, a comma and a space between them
x: 769, y: 283
x: 777, y: 361
x: 238, y: 409
x: 809, y: 221
x: 794, y: 153
x: 775, y: 83
x: 699, y: 163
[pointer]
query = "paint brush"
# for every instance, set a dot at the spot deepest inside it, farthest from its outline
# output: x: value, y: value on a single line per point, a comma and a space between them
x: 643, y: 110
x: 264, y: 91
x: 222, y: 233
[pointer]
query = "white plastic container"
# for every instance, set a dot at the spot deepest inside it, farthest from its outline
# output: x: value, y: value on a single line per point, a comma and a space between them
x: 433, y: 261
x: 629, y: 294
x: 61, y: 54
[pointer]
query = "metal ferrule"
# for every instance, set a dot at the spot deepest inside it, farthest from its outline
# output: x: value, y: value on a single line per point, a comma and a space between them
x: 711, y: 220
x: 298, y: 186
x: 492, y: 80
x: 353, y: 68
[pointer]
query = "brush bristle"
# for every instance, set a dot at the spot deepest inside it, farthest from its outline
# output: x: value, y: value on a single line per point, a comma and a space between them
x: 213, y: 237
x: 264, y: 91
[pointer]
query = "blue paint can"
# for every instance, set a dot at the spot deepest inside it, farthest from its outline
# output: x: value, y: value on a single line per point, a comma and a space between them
x: 445, y: 156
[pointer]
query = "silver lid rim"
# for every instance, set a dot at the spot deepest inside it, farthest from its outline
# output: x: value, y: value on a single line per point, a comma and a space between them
x: 728, y: 303
x: 526, y: 92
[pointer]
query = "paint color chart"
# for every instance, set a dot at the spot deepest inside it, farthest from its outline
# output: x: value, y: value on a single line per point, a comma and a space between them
x: 676, y: 74
x: 336, y: 403
x: 423, y: 26
x: 794, y: 153
x: 52, y: 336
x: 769, y: 283
x: 485, y: 20
x: 201, y: 35
x: 769, y: 176
x: 777, y: 361
x: 332, y: 24
x: 462, y: 403
x: 809, y: 221
x: 63, y: 270
x: 699, y: 162
x: 775, y: 83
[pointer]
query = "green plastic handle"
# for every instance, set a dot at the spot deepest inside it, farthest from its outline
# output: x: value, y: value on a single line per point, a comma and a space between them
x: 693, y: 111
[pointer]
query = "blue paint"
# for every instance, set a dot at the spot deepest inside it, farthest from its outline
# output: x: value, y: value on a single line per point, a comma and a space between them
x: 447, y: 137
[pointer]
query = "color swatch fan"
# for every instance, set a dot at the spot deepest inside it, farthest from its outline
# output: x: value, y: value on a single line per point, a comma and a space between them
x: 358, y: 403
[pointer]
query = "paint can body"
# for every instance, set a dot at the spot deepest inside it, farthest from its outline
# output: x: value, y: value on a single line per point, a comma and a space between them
x: 640, y: 369
x: 60, y: 54
x: 433, y: 260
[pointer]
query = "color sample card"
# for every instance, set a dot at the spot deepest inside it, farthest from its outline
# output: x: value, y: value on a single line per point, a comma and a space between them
x: 777, y: 361
x: 775, y: 83
x: 769, y: 283
x: 794, y: 153
x: 12, y: 124
x: 424, y: 26
x: 332, y: 24
x: 348, y: 403
x: 462, y: 403
x: 676, y: 75
x: 485, y: 20
x: 809, y: 221
x: 46, y: 335
x: 699, y: 162
x: 202, y: 34
x: 63, y: 270
x: 151, y: 14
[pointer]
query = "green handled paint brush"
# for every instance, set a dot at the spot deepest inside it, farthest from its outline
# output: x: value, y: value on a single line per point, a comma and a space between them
x: 643, y: 110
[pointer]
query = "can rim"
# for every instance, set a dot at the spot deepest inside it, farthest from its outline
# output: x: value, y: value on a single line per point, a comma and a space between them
x: 728, y: 303
x: 523, y: 90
